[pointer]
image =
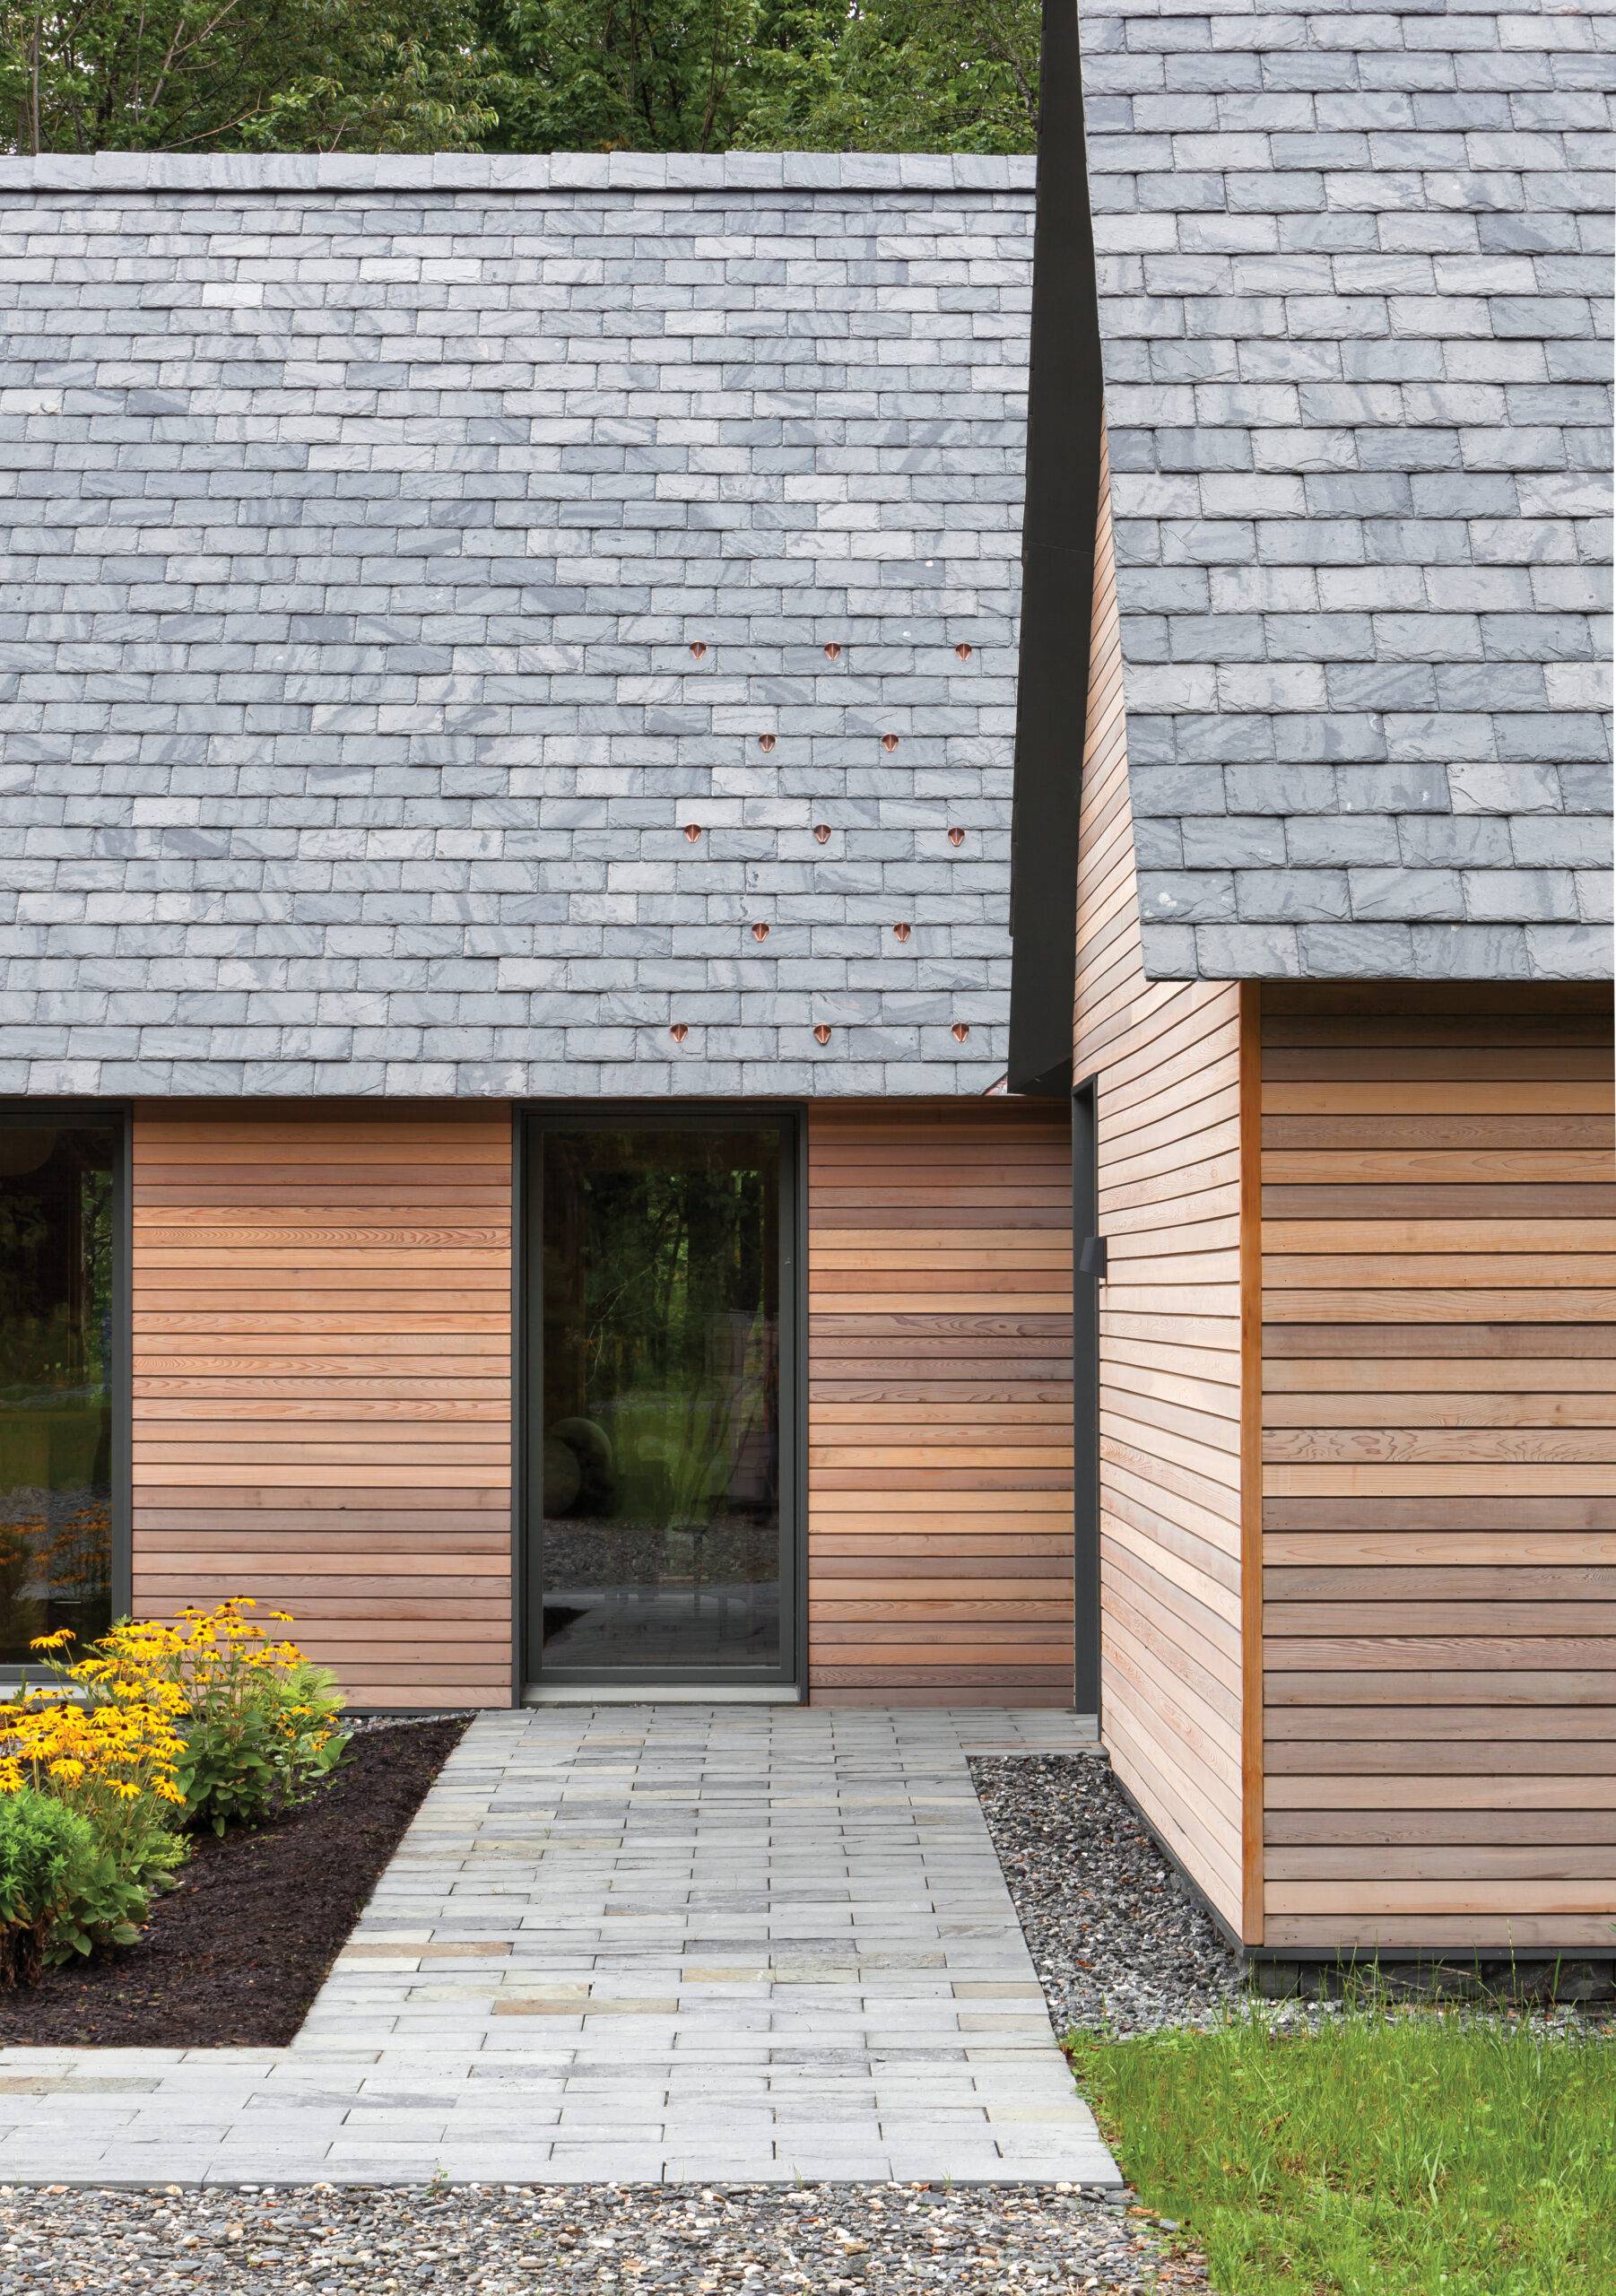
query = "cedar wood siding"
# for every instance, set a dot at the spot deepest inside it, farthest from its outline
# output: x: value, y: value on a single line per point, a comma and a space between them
x: 322, y: 1401
x: 1440, y: 1485
x: 321, y: 1391
x: 939, y: 1410
x: 1168, y: 1057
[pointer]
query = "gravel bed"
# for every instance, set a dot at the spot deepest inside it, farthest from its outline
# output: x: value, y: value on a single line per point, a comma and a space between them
x: 829, y: 2240
x: 1116, y: 1936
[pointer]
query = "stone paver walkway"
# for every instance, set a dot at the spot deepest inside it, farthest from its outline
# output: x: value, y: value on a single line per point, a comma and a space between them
x: 636, y: 1943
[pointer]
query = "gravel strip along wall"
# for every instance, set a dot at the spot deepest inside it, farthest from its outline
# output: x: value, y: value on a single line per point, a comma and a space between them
x: 502, y: 2241
x: 1114, y: 1934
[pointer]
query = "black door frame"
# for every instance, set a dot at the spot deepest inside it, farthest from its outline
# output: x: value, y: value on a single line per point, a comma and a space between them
x: 532, y: 1121
x: 120, y: 1375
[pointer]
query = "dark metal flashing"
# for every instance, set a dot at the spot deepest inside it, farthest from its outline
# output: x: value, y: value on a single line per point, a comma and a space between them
x: 1057, y: 577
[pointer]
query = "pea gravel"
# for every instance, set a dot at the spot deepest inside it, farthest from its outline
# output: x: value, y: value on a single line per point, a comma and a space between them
x: 829, y: 2240
x: 1116, y: 1938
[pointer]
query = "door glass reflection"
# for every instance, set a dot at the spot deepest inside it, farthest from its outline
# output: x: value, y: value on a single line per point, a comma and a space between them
x: 56, y: 1242
x: 661, y: 1380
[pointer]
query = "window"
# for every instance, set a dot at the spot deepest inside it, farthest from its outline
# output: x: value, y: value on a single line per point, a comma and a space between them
x: 59, y: 1309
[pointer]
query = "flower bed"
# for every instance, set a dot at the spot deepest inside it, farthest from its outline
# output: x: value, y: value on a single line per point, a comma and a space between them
x: 109, y: 1771
x: 233, y: 1954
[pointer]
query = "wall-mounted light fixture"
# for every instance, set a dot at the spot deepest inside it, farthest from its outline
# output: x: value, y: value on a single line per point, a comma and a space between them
x: 1091, y: 1258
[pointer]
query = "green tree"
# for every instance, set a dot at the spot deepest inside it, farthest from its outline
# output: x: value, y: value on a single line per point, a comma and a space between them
x: 893, y: 75
x: 242, y: 75
x: 635, y: 75
x: 518, y: 76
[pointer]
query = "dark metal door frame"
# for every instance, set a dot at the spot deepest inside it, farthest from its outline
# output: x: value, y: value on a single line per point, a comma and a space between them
x: 120, y: 1380
x: 532, y: 1122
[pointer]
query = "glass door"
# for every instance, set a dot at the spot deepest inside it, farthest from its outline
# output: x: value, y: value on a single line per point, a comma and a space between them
x: 661, y: 1461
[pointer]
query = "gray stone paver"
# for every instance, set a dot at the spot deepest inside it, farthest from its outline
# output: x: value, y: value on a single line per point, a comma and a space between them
x: 646, y: 1944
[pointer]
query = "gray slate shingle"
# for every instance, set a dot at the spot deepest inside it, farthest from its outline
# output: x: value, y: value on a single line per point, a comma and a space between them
x: 1354, y: 278
x: 358, y: 521
x: 360, y: 516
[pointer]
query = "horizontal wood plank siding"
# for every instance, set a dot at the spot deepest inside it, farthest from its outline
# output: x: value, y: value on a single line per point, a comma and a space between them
x: 321, y: 1362
x: 940, y: 1566
x: 1168, y: 1058
x: 1439, y: 1514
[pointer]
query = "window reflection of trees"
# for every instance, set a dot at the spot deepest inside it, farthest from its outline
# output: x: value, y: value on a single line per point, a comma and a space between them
x: 662, y: 1443
x: 57, y: 1253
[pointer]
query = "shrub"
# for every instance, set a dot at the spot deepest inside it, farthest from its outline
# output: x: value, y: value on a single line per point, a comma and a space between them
x: 262, y: 1734
x: 46, y: 1850
x: 154, y: 1728
x: 61, y: 1887
x: 110, y: 1751
x: 253, y: 1723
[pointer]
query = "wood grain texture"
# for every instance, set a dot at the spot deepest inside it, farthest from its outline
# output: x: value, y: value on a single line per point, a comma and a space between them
x: 940, y: 1567
x: 322, y: 1392
x: 1168, y: 1060
x: 1439, y: 1542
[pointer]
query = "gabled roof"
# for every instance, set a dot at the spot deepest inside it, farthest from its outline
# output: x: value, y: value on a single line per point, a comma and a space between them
x: 404, y: 555
x: 1351, y: 275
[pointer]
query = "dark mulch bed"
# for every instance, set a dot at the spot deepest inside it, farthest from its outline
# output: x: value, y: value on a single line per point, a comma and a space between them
x: 232, y: 1958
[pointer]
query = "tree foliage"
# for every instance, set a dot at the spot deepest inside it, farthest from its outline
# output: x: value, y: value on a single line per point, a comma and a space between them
x: 242, y: 75
x: 518, y: 76
x: 706, y: 75
x: 894, y: 75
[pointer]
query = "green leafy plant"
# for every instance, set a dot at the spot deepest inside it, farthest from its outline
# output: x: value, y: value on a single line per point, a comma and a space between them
x: 105, y: 1906
x: 262, y: 1731
x: 45, y: 1852
x: 62, y: 1891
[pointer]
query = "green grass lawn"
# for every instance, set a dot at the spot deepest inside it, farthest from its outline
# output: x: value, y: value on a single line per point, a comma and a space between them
x: 1388, y: 2154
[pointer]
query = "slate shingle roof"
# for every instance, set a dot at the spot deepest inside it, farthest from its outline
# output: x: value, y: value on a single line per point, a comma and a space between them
x: 360, y: 520
x: 1354, y: 274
